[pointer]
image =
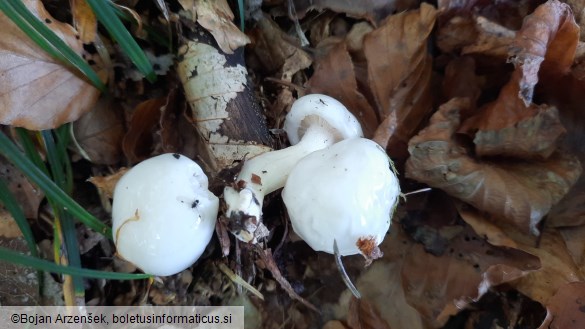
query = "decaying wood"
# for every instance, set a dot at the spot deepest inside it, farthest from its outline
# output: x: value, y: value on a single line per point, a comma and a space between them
x: 224, y: 107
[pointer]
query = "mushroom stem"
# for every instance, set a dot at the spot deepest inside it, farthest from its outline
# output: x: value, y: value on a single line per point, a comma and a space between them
x: 268, y: 172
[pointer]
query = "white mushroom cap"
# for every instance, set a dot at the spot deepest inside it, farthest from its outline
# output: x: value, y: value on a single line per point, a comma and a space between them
x: 163, y: 214
x: 322, y: 109
x: 345, y: 192
x: 314, y: 122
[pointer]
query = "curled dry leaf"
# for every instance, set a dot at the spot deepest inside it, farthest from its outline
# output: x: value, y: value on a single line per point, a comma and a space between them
x: 99, y: 133
x: 550, y: 32
x: 217, y: 18
x: 276, y: 52
x: 106, y: 184
x: 139, y: 143
x: 566, y: 309
x: 37, y: 92
x: 521, y: 192
x: 400, y: 80
x: 512, y: 125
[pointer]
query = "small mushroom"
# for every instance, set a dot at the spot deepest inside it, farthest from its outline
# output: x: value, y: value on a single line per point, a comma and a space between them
x: 346, y: 193
x: 163, y: 214
x: 314, y: 122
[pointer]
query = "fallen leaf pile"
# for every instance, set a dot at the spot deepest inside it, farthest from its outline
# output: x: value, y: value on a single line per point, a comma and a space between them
x: 476, y: 100
x: 482, y: 101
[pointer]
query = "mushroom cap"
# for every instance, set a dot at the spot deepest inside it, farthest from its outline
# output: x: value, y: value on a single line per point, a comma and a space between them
x: 324, y: 110
x: 163, y: 214
x: 345, y: 192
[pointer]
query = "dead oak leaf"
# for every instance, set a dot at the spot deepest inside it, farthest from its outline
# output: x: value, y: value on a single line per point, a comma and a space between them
x: 519, y: 191
x: 37, y: 92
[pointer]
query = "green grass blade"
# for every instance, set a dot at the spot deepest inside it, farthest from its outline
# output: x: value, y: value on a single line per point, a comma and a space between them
x: 242, y: 12
x: 14, y: 257
x: 107, y: 16
x: 57, y: 156
x: 47, y: 39
x: 30, y: 149
x: 16, y: 212
x: 63, y: 136
x: 13, y: 154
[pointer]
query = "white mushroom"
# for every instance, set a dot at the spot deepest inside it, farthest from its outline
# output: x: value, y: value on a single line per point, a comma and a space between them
x: 346, y: 192
x: 313, y: 123
x: 163, y: 214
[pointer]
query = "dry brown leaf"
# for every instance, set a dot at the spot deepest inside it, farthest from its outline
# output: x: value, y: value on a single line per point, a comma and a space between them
x: 37, y: 92
x: 334, y: 324
x: 363, y: 315
x: 372, y: 10
x: 138, y: 142
x: 521, y: 192
x: 549, y: 35
x: 441, y: 286
x: 507, y: 13
x: 106, y: 184
x: 492, y: 39
x: 8, y: 227
x: 461, y: 80
x: 84, y: 20
x: 400, y: 80
x: 217, y: 18
x: 558, y: 268
x: 574, y: 238
x: 566, y: 309
x: 490, y: 231
x: 29, y: 197
x: 99, y: 132
x: 334, y: 76
x: 276, y: 53
x: 381, y: 285
x: 512, y: 125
